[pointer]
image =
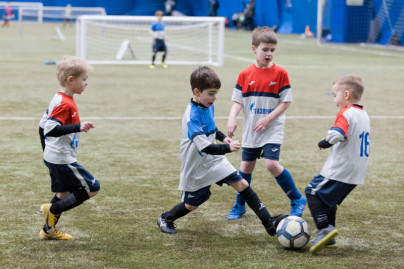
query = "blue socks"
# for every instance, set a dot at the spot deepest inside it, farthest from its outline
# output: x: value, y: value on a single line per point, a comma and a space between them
x: 287, y: 184
x: 240, y: 200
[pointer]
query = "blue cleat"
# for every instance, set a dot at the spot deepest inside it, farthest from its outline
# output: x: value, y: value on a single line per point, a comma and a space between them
x: 297, y: 206
x: 236, y: 212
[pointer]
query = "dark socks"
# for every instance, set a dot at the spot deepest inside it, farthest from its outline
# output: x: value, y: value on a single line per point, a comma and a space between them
x: 176, y: 212
x: 71, y: 201
x: 52, y: 201
x: 247, y: 177
x: 164, y: 57
x: 153, y: 58
x: 256, y: 205
x: 319, y: 211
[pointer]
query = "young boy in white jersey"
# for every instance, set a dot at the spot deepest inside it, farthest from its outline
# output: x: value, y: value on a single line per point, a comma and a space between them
x: 59, y: 130
x: 346, y: 165
x: 263, y: 91
x: 159, y: 43
x: 203, y: 161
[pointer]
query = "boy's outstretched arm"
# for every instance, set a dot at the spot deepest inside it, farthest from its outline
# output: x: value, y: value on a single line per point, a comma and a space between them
x: 232, y: 122
x: 263, y: 123
x: 334, y: 136
x: 221, y: 149
x: 55, y: 129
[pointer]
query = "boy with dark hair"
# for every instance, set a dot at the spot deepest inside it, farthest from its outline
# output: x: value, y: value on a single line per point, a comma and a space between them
x: 203, y: 163
x: 349, y: 140
x: 263, y: 91
x: 59, y: 131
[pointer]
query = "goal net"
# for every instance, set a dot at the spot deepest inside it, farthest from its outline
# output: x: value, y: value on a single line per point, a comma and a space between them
x: 361, y: 21
x: 128, y: 40
x: 40, y: 14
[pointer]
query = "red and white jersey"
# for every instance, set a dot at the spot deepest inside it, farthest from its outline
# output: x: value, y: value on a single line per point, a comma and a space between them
x: 350, y: 136
x: 260, y: 91
x: 62, y: 110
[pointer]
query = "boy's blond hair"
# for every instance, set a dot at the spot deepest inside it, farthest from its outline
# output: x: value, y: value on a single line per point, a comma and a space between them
x: 71, y: 66
x: 353, y: 84
x: 264, y: 35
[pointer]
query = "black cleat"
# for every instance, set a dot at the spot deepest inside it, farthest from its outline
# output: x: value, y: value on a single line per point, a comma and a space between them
x: 273, y: 223
x: 166, y: 226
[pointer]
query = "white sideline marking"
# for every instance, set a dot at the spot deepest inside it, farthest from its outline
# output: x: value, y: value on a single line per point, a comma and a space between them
x: 179, y: 118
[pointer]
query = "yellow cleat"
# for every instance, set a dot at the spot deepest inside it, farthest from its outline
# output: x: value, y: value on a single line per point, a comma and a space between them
x: 323, y: 237
x: 164, y: 65
x: 53, y: 234
x: 49, y: 218
x: 152, y: 66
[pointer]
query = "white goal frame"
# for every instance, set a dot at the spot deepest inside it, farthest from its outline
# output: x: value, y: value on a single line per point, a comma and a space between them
x: 214, y: 48
x: 40, y: 12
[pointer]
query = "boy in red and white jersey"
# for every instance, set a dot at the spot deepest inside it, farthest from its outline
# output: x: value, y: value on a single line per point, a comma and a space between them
x: 59, y: 130
x: 263, y: 91
x: 346, y: 165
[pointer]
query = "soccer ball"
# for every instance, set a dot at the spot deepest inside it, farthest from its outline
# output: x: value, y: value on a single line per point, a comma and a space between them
x: 293, y: 232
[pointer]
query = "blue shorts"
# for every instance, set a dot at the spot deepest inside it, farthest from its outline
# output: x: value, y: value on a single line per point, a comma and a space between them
x: 159, y: 45
x: 268, y: 151
x: 71, y: 177
x: 196, y: 198
x: 330, y: 192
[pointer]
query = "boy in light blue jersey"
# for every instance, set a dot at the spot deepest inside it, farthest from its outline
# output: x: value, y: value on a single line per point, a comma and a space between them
x: 203, y: 163
x: 159, y: 43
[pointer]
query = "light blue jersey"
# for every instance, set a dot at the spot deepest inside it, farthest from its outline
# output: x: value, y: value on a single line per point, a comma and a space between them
x: 199, y: 169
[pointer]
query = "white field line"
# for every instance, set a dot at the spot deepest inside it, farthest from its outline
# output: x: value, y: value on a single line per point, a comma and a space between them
x: 179, y: 118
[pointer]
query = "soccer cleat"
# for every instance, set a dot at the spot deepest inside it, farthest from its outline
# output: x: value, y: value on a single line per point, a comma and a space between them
x: 164, y: 65
x: 49, y: 218
x: 166, y: 226
x: 297, y: 206
x: 323, y: 237
x: 54, y: 235
x: 236, y: 212
x: 152, y: 66
x: 273, y: 223
x: 331, y: 244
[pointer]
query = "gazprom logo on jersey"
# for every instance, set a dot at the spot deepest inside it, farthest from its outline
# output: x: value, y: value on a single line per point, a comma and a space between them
x: 259, y: 110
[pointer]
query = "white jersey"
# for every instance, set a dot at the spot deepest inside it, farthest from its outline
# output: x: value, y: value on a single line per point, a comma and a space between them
x: 260, y: 91
x: 350, y: 136
x: 199, y: 169
x: 62, y: 110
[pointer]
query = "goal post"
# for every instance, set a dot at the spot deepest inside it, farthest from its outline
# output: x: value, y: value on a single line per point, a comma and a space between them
x: 189, y: 40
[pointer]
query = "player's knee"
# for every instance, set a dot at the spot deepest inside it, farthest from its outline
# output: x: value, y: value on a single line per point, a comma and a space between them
x: 240, y: 185
x: 92, y: 194
x: 273, y: 167
x: 62, y: 195
x: 190, y: 207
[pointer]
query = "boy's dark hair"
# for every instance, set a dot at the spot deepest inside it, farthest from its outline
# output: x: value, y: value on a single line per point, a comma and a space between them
x: 264, y: 35
x: 204, y: 78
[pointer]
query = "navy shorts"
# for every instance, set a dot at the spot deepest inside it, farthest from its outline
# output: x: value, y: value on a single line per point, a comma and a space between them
x: 71, y: 177
x: 268, y: 151
x: 196, y: 198
x: 159, y: 45
x: 330, y: 192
